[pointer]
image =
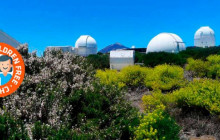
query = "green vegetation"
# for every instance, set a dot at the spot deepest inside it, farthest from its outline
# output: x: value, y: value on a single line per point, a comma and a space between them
x: 200, y: 93
x: 203, y: 94
x: 99, y: 61
x: 134, y: 75
x: 209, y: 68
x: 11, y: 128
x: 157, y: 125
x: 64, y: 96
x: 159, y: 58
x: 163, y: 77
x: 61, y: 99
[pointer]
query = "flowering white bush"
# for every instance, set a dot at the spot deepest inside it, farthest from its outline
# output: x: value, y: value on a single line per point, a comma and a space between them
x: 60, y: 93
x: 46, y: 81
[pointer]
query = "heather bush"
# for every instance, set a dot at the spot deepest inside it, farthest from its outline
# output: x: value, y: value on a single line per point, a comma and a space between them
x: 43, y: 131
x: 157, y: 125
x: 61, y: 95
x: 165, y: 77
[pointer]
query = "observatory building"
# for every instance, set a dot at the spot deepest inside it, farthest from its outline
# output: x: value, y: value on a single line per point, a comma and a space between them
x: 121, y: 58
x: 5, y: 38
x: 84, y: 46
x: 204, y: 37
x: 166, y: 42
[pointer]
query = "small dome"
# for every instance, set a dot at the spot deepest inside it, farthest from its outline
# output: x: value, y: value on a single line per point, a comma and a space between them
x: 204, y: 37
x: 166, y: 42
x: 86, y: 41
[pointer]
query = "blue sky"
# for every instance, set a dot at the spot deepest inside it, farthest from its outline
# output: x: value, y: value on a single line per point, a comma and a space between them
x: 42, y: 23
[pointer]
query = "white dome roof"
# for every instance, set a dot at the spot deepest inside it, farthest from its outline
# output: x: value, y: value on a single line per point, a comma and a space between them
x: 166, y: 42
x: 204, y: 37
x: 86, y: 41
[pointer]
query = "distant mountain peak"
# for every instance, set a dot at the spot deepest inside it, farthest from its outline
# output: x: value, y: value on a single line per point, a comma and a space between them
x: 111, y: 47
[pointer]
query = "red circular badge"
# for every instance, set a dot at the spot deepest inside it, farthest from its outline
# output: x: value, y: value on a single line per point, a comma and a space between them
x: 12, y: 69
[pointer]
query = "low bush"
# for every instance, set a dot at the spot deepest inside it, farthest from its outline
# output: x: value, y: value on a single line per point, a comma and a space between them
x: 99, y: 61
x: 209, y: 68
x: 165, y: 77
x: 157, y: 125
x: 154, y: 101
x: 158, y: 58
x: 214, y: 66
x: 162, y: 77
x: 134, y: 75
x: 199, y: 67
x: 43, y: 131
x: 199, y: 53
x: 11, y: 128
x: 110, y: 78
x: 202, y: 93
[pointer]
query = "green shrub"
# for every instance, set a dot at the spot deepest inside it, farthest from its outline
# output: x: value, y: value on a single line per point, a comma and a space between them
x: 209, y: 68
x: 110, y: 77
x: 99, y: 61
x: 199, y: 67
x: 204, y: 93
x: 199, y: 53
x: 154, y: 101
x: 159, y: 58
x: 11, y: 128
x: 214, y: 66
x: 99, y: 113
x: 43, y: 131
x: 104, y: 114
x: 165, y: 77
x: 134, y: 75
x: 157, y: 125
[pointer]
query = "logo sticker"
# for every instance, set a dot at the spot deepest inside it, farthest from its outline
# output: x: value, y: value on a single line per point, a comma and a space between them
x: 12, y: 69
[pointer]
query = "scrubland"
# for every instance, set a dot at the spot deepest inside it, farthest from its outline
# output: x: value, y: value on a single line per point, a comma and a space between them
x: 64, y: 96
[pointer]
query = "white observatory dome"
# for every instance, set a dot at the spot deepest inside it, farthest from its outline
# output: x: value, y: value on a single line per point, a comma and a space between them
x: 85, y: 45
x: 204, y: 37
x: 166, y: 42
x: 85, y: 41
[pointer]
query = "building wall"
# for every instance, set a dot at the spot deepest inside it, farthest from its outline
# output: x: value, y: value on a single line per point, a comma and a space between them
x: 119, y: 63
x: 205, y: 41
x: 85, y: 51
x: 121, y: 58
